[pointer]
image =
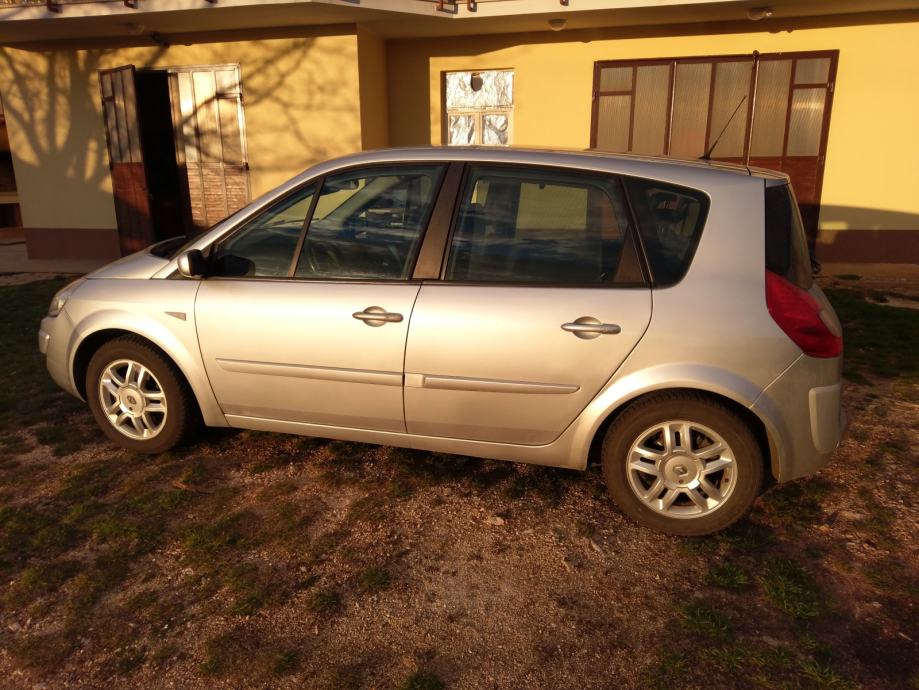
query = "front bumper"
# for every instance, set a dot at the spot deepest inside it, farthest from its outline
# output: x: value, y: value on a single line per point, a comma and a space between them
x: 54, y: 336
x: 803, y: 413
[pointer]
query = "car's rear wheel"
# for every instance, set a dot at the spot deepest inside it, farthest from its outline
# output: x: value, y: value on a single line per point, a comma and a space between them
x: 682, y: 463
x: 138, y: 397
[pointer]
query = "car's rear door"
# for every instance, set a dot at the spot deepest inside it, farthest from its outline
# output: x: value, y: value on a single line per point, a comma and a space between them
x: 542, y: 297
x: 311, y: 327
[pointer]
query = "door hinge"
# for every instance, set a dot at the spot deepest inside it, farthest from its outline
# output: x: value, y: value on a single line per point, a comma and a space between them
x: 831, y: 87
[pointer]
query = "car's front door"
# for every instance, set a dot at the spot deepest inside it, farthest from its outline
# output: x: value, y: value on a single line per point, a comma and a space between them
x: 311, y: 327
x: 542, y: 297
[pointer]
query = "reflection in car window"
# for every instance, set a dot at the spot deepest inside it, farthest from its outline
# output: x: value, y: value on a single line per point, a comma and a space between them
x: 265, y: 246
x: 531, y: 225
x: 368, y: 223
x: 670, y: 219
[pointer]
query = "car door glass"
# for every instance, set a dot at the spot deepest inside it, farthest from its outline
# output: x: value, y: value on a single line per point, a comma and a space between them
x: 368, y: 223
x: 265, y: 246
x: 532, y: 225
x: 670, y: 220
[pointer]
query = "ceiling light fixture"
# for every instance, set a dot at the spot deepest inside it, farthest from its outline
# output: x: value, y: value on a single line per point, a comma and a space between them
x: 754, y: 14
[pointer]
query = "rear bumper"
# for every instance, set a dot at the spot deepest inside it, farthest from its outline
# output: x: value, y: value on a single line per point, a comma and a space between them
x: 803, y: 413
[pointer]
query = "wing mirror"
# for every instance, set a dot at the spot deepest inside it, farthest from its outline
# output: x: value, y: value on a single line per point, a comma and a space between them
x: 191, y: 264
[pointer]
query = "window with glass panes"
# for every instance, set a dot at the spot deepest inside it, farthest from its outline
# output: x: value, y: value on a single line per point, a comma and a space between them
x: 767, y: 110
x: 479, y: 107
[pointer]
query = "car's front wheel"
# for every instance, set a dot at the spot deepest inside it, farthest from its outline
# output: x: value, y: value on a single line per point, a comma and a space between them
x: 138, y: 396
x: 682, y: 463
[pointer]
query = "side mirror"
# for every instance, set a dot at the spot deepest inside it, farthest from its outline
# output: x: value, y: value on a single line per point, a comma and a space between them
x: 191, y: 264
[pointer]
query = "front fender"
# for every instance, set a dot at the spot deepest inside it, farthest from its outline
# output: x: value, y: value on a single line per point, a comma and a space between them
x: 157, y: 319
x: 695, y: 376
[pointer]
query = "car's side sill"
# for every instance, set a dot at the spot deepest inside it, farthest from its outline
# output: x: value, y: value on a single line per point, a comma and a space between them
x: 555, y: 454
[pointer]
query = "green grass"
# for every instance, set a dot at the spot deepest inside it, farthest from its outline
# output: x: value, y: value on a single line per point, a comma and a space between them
x: 23, y: 367
x: 791, y: 589
x: 324, y: 600
x: 701, y: 619
x: 727, y: 576
x: 879, y: 341
x: 374, y: 579
x: 825, y: 678
x: 422, y: 680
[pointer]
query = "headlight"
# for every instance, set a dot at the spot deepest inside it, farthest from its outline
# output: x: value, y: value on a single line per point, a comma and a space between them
x: 60, y: 299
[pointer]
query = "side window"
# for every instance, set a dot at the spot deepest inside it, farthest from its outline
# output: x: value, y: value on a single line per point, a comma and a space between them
x: 532, y: 225
x: 786, y: 244
x: 368, y: 223
x: 670, y: 220
x: 265, y: 246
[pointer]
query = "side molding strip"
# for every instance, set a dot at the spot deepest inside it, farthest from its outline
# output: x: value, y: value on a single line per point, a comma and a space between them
x: 459, y: 383
x: 380, y: 378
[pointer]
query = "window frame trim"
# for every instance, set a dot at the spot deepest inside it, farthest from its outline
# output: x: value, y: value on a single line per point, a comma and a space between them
x: 631, y: 232
x: 319, y: 181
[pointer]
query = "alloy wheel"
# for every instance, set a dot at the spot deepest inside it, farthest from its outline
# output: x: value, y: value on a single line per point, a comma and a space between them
x: 681, y: 469
x: 132, y: 399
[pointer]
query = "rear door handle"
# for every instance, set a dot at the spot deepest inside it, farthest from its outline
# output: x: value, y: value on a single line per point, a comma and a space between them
x: 587, y: 328
x: 377, y: 316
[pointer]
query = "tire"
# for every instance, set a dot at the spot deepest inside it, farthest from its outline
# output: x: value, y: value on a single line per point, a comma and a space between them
x: 688, y: 490
x: 146, y: 407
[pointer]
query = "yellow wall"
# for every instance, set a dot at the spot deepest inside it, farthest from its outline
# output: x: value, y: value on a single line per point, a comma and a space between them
x: 301, y: 106
x: 871, y: 176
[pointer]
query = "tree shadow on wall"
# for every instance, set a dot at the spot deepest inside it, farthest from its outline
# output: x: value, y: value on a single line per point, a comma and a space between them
x: 53, y: 109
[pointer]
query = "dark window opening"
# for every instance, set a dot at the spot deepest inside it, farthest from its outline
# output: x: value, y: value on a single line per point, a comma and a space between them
x: 158, y: 143
x: 786, y: 246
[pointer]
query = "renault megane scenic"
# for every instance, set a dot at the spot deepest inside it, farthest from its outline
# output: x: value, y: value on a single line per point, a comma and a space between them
x: 538, y: 306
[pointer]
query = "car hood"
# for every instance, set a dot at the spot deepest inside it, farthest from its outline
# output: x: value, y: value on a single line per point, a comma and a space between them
x: 139, y: 265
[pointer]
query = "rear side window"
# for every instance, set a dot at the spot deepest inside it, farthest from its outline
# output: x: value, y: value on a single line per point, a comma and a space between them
x: 670, y: 220
x: 786, y: 245
x: 542, y: 225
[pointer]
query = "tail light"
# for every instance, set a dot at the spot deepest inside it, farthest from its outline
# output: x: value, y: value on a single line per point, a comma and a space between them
x: 798, y: 314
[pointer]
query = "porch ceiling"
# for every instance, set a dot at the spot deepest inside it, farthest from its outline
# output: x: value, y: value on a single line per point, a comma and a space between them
x: 173, y: 20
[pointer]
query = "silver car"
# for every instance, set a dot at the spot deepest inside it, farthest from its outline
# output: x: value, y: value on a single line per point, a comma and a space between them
x: 538, y: 306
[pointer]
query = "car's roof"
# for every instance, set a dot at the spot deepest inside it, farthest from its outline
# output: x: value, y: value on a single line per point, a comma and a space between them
x: 597, y: 160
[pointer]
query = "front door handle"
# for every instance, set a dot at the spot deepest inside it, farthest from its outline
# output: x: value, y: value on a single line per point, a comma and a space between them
x: 587, y: 328
x: 377, y: 316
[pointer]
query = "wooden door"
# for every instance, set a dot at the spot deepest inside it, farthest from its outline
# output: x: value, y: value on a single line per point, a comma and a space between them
x: 129, y: 179
x: 794, y: 94
x: 770, y: 111
x: 211, y: 153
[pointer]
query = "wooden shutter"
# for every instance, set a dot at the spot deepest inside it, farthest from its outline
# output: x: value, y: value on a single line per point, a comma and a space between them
x: 129, y: 179
x: 210, y: 141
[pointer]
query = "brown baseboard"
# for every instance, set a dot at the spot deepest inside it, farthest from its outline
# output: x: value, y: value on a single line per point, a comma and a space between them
x: 869, y: 246
x: 72, y: 243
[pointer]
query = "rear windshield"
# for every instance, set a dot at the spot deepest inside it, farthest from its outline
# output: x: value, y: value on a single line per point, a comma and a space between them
x: 786, y: 245
x: 670, y: 220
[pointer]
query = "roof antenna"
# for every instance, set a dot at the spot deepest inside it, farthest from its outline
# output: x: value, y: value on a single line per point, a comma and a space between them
x: 707, y: 156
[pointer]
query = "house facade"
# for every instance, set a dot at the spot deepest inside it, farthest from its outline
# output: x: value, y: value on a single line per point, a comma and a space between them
x: 133, y: 121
